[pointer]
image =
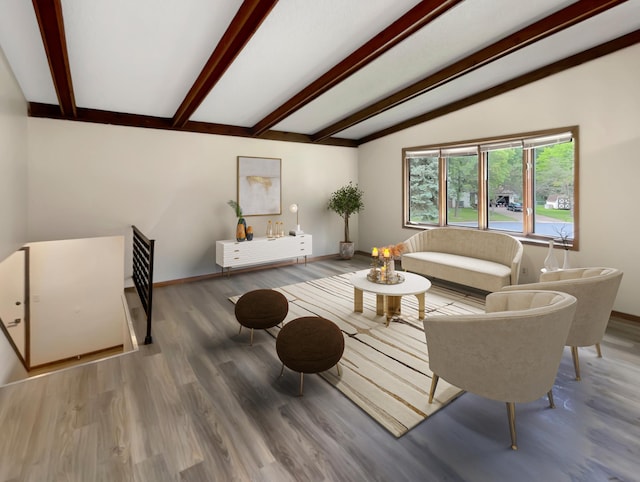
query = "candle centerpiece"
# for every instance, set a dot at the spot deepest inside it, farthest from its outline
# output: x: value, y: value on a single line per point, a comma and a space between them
x: 383, y: 264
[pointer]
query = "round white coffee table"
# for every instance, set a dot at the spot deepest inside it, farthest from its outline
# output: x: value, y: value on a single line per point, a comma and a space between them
x: 389, y: 297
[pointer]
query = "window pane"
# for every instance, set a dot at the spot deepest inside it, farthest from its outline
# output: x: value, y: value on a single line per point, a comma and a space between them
x: 504, y: 188
x: 423, y: 190
x: 554, y: 190
x: 462, y: 190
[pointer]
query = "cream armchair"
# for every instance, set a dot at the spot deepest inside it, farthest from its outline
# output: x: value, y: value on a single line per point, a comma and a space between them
x: 595, y: 290
x: 510, y: 353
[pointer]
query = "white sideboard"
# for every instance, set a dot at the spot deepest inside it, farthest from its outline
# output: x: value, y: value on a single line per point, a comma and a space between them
x: 233, y: 254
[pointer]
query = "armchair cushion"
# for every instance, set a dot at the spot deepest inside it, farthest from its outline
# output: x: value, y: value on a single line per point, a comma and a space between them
x: 519, y: 301
x: 575, y: 273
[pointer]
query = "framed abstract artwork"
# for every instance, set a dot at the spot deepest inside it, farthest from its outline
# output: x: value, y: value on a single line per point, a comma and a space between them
x: 259, y: 185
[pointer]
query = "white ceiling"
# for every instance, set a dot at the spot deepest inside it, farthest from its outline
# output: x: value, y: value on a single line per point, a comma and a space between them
x: 142, y: 57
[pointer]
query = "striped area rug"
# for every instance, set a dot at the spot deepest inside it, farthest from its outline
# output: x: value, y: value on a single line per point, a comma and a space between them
x: 385, y: 370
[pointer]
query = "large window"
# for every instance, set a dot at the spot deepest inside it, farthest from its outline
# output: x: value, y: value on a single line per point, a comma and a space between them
x: 524, y: 184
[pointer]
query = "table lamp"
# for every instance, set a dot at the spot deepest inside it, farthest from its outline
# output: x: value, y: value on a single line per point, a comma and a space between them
x: 294, y: 208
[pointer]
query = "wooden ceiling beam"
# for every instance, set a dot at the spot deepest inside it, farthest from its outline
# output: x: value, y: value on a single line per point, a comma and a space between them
x: 50, y: 111
x: 244, y: 25
x: 554, y: 23
x: 607, y: 48
x: 49, y: 16
x: 412, y: 21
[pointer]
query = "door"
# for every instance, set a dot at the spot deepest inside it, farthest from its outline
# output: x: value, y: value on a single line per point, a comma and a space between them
x: 12, y: 300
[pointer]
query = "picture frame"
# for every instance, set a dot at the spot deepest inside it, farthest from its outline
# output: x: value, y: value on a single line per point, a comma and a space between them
x: 259, y: 185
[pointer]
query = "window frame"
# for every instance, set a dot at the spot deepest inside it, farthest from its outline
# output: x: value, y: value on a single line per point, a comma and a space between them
x: 528, y: 189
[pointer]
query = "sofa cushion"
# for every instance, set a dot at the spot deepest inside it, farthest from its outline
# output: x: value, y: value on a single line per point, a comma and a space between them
x: 477, y: 273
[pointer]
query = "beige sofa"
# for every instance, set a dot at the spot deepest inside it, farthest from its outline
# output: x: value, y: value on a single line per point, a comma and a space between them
x: 484, y: 260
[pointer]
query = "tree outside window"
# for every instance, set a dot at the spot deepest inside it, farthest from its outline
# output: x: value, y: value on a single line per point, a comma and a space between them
x: 424, y: 190
x: 462, y: 190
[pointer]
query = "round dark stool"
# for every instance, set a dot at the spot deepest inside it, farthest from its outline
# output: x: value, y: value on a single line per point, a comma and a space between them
x: 310, y: 344
x: 261, y: 309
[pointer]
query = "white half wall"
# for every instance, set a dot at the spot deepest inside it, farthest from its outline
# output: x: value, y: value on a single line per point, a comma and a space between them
x: 98, y: 180
x: 602, y: 98
x: 76, y: 297
x: 13, y: 162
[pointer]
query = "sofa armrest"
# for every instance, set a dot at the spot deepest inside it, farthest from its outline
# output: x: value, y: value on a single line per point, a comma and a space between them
x: 515, y: 264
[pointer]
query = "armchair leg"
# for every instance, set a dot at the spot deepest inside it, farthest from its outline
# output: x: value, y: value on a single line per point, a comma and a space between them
x: 551, y: 402
x: 576, y: 361
x: 434, y: 382
x: 511, y: 413
x: 598, y: 350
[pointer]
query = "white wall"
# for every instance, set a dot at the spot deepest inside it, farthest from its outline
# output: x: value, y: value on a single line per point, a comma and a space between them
x: 76, y: 297
x: 602, y: 98
x: 13, y: 191
x: 96, y: 180
x: 89, y: 180
x: 13, y: 162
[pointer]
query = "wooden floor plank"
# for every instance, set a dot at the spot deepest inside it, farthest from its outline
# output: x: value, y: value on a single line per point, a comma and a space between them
x: 201, y: 404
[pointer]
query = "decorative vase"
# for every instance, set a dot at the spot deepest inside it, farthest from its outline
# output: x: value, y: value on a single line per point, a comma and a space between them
x: 241, y: 230
x: 566, y: 264
x: 550, y: 262
x: 249, y: 233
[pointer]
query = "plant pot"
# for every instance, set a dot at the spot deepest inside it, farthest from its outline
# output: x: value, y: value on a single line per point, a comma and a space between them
x: 346, y: 250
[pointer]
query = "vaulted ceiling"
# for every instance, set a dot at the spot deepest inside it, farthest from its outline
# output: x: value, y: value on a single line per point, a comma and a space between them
x: 340, y: 72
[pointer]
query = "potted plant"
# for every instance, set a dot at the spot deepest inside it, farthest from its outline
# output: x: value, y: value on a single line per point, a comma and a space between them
x: 346, y: 201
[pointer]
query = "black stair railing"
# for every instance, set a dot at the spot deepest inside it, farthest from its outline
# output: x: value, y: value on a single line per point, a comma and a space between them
x: 143, y: 248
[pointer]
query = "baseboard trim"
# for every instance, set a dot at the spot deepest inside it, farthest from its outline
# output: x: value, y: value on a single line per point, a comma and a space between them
x: 626, y: 316
x: 235, y: 271
x: 76, y: 357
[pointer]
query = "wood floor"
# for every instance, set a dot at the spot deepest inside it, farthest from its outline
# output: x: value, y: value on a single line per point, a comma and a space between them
x: 200, y: 404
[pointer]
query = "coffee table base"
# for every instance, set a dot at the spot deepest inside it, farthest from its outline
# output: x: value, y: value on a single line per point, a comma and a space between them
x: 386, y: 304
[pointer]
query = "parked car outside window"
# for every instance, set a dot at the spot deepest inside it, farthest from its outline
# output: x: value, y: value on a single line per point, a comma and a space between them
x: 514, y: 207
